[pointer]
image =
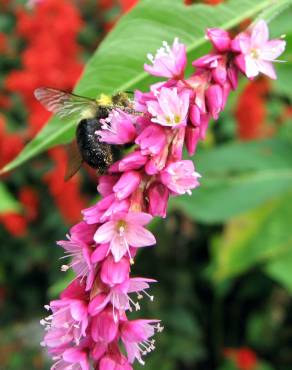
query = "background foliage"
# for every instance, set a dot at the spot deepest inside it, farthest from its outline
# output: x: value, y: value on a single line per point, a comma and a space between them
x: 225, y: 285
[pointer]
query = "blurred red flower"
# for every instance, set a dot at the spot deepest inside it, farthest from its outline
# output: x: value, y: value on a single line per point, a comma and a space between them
x: 251, y: 111
x: 14, y: 223
x: 30, y: 201
x: 244, y: 358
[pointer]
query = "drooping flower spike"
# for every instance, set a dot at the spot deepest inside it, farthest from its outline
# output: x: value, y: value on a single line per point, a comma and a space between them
x: 90, y: 323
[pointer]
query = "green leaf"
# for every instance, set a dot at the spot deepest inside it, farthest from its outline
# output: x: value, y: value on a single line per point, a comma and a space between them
x: 7, y: 203
x: 280, y: 269
x: 236, y: 178
x: 259, y: 237
x: 118, y: 63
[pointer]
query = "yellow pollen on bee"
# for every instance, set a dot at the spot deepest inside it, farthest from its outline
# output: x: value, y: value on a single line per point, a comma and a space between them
x: 104, y: 99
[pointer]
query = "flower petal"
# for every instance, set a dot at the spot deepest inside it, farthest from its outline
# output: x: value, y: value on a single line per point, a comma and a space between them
x: 105, y: 232
x: 138, y: 236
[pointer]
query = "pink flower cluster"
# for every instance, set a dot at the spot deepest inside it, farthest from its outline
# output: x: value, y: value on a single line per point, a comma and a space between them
x: 89, y: 323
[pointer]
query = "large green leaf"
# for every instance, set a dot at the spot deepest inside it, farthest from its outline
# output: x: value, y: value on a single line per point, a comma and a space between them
x: 118, y: 63
x: 259, y: 237
x: 236, y: 178
x: 7, y: 202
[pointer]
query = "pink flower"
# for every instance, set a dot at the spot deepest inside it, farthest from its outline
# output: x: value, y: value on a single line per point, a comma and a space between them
x: 114, y: 359
x: 104, y: 328
x: 168, y: 62
x: 113, y: 273
x: 151, y: 140
x: 127, y: 184
x: 158, y: 195
x: 132, y: 161
x: 135, y: 335
x: 117, y: 128
x: 171, y: 108
x: 123, y: 231
x: 72, y: 358
x: 219, y: 38
x: 80, y: 253
x: 214, y: 97
x: 105, y: 184
x: 258, y: 52
x: 68, y: 322
x: 119, y: 296
x: 180, y: 177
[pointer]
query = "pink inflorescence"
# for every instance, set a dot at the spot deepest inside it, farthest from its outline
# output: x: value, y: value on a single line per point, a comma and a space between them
x: 89, y: 324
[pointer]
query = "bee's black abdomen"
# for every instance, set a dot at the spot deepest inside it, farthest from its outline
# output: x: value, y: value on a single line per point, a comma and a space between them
x: 96, y: 154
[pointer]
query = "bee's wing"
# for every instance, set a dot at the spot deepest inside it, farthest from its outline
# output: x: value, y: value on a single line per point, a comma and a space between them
x: 65, y: 104
x: 74, y: 160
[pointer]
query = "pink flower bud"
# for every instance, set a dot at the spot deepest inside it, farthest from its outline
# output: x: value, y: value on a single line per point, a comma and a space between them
x: 127, y: 184
x: 104, y: 328
x: 206, y: 61
x: 177, y: 144
x: 214, y: 96
x: 105, y: 184
x: 100, y: 252
x: 191, y: 139
x: 151, y: 140
x: 132, y: 161
x: 232, y: 73
x: 157, y: 162
x: 219, y: 38
x: 180, y: 177
x: 97, y: 304
x: 219, y: 73
x: 113, y: 273
x: 158, y: 196
x: 195, y: 115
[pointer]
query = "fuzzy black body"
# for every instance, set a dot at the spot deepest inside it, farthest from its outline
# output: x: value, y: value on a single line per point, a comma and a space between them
x: 96, y: 154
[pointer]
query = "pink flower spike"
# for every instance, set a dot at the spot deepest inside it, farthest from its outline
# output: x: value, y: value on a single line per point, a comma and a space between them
x: 259, y: 52
x: 123, y: 231
x: 151, y: 140
x: 168, y: 62
x: 180, y: 177
x: 118, y: 128
x: 127, y: 184
x: 171, y: 108
x: 113, y: 273
x: 158, y: 195
x: 219, y: 38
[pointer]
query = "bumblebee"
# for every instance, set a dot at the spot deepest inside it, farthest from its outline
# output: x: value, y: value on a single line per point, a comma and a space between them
x: 87, y: 147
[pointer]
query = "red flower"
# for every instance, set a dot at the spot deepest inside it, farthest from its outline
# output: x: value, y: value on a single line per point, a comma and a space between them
x: 14, y: 223
x: 251, y: 112
x: 10, y: 144
x: 127, y: 5
x: 30, y: 201
x: 66, y: 194
x: 244, y: 358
